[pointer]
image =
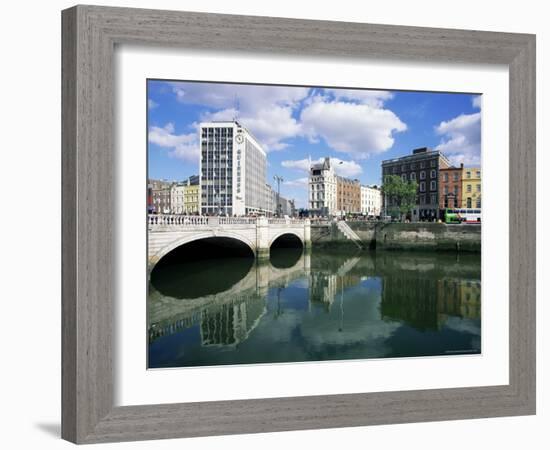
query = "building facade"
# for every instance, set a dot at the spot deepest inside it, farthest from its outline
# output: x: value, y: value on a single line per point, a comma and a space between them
x: 177, y: 198
x: 450, y: 187
x: 471, y: 187
x: 322, y: 189
x: 192, y: 196
x: 371, y: 201
x: 422, y: 166
x: 348, y: 196
x: 233, y: 169
x: 160, y: 192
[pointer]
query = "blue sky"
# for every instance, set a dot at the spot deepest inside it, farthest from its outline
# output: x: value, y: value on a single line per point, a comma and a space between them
x: 358, y: 128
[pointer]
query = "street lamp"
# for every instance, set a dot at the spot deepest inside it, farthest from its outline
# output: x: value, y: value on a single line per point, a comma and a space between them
x: 278, y: 179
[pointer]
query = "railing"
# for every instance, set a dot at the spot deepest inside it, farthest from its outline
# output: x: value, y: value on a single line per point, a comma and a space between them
x: 176, y: 220
x: 237, y: 220
x: 284, y: 221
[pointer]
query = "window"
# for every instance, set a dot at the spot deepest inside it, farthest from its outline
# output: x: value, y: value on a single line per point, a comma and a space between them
x: 432, y: 174
x: 432, y: 163
x: 455, y: 176
x: 422, y: 164
x: 478, y: 187
x: 422, y: 186
x: 422, y: 199
x: 404, y: 177
x: 446, y: 190
x: 433, y: 199
x: 478, y: 174
x: 413, y: 176
x: 403, y: 168
x: 468, y: 174
x: 469, y: 202
x: 413, y: 166
x: 433, y: 185
x: 445, y: 177
x: 478, y: 202
x: 394, y: 169
x: 468, y: 188
x: 423, y: 175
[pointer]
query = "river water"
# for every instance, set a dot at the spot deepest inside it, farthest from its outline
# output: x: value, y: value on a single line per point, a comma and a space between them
x: 314, y: 306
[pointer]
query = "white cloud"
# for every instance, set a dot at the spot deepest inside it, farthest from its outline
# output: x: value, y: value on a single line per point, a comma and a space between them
x: 151, y: 104
x: 299, y: 164
x: 367, y: 97
x: 461, y: 140
x: 341, y: 167
x: 357, y: 129
x: 265, y: 110
x: 181, y: 146
x: 300, y: 182
x: 271, y: 126
x: 476, y: 101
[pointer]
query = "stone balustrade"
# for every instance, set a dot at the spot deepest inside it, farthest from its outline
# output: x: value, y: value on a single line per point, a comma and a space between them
x: 175, y: 220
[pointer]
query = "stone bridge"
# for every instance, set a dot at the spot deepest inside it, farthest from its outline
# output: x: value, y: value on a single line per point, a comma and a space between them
x: 168, y: 232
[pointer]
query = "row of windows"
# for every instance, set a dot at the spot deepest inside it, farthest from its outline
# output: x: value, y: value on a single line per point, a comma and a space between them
x: 411, y: 166
x: 218, y: 131
x: 469, y: 188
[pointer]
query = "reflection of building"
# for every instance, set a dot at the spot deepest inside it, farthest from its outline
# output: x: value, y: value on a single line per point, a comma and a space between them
x: 233, y: 169
x: 348, y: 196
x: 471, y: 187
x: 422, y: 166
x: 424, y: 303
x: 322, y: 188
x: 371, y: 200
x: 231, y: 323
x: 324, y: 288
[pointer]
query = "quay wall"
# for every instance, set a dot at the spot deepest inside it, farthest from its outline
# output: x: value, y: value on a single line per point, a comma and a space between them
x: 402, y: 236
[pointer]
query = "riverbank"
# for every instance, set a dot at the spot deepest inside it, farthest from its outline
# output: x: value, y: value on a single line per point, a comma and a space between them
x: 398, y: 236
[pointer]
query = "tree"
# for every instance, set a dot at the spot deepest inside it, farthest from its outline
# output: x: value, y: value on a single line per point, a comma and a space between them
x: 399, y: 195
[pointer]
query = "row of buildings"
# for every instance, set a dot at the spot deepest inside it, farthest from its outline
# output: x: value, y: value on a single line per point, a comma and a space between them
x: 440, y: 184
x: 231, y: 181
x: 333, y: 195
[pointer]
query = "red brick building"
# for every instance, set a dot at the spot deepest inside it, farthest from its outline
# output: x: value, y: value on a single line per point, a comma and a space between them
x: 450, y: 187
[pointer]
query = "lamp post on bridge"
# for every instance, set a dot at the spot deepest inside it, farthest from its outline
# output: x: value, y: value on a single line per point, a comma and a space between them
x: 278, y: 179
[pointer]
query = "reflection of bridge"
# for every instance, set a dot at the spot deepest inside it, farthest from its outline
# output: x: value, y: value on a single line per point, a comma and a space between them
x: 227, y: 317
x: 233, y: 313
x: 166, y: 233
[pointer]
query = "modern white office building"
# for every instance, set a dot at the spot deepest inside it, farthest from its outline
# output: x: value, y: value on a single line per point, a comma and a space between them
x: 322, y: 188
x: 233, y: 169
x: 371, y: 200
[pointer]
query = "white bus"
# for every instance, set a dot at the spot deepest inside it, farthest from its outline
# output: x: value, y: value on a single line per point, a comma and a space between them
x: 468, y: 215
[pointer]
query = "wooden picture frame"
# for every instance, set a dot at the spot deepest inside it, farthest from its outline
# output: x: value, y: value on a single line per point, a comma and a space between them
x: 90, y: 34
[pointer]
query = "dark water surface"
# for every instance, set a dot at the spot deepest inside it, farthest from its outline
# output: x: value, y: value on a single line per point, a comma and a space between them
x: 314, y: 306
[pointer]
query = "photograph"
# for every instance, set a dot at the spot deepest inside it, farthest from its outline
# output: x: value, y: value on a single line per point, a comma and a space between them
x: 292, y: 224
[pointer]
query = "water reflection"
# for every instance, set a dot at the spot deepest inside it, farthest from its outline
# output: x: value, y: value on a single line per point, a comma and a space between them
x: 314, y: 306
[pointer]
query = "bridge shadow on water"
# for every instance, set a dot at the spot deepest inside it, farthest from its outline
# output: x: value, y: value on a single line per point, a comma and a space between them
x: 203, y: 267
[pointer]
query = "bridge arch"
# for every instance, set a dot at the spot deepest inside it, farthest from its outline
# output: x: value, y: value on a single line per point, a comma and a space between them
x: 286, y: 233
x: 155, y: 258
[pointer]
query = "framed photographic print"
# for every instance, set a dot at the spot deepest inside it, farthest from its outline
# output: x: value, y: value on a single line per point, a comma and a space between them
x: 342, y: 230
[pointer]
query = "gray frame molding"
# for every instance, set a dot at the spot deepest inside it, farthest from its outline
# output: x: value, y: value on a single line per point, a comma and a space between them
x: 90, y: 34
